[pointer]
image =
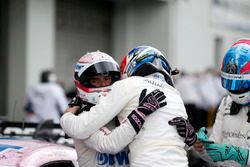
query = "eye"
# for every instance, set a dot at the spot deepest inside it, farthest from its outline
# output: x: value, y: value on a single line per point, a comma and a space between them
x: 106, y: 78
x: 93, y: 81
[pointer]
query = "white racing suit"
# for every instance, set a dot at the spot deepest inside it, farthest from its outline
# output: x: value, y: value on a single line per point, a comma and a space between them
x: 230, y: 129
x: 88, y: 157
x: 158, y: 144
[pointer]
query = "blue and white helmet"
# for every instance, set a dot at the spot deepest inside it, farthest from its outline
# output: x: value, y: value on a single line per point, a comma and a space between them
x: 146, y: 60
x: 235, y: 71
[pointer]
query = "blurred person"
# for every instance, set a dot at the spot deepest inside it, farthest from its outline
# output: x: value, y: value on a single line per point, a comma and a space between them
x: 157, y: 143
x: 46, y: 100
x: 210, y: 80
x: 200, y: 103
x: 95, y: 72
x: 229, y: 140
x: 187, y: 85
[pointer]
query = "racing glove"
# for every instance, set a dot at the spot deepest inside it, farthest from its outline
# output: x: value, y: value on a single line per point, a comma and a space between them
x: 184, y: 129
x: 84, y: 105
x: 222, y: 152
x: 147, y: 105
x: 202, y: 136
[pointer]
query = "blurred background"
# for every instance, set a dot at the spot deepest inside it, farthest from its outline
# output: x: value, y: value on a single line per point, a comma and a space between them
x: 54, y: 34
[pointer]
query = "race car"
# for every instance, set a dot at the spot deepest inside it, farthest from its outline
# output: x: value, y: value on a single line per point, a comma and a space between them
x: 46, y: 131
x: 35, y: 153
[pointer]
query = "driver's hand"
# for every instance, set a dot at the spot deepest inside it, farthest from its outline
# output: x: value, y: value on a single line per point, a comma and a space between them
x: 198, y: 146
x: 73, y: 109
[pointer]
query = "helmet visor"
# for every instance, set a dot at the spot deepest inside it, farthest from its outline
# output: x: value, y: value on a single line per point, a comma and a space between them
x: 101, y: 68
x: 235, y: 81
x: 158, y: 61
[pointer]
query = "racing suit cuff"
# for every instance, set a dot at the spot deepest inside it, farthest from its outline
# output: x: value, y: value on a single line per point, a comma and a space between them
x: 136, y: 119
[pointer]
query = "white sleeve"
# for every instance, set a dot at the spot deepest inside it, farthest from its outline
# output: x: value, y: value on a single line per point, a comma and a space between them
x: 112, y: 142
x: 86, y: 123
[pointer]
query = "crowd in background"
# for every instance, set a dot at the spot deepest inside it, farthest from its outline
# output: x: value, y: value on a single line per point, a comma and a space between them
x: 201, y: 94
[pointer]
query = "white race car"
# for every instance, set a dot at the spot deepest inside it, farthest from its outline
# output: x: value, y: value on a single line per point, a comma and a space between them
x: 35, y: 153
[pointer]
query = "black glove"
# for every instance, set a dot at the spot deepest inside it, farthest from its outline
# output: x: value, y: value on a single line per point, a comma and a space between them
x: 184, y: 129
x: 147, y: 105
x: 76, y: 101
x: 84, y: 105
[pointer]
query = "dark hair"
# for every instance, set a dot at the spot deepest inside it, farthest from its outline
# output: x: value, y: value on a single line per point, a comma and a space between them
x: 45, y: 76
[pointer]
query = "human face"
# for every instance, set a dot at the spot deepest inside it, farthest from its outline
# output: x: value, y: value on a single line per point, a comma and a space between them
x: 239, y: 91
x: 241, y: 96
x: 100, y: 80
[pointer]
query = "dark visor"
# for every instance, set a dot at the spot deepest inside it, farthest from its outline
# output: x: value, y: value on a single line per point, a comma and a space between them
x: 102, y: 68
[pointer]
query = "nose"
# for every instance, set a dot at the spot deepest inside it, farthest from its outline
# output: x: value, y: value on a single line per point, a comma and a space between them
x: 104, y: 83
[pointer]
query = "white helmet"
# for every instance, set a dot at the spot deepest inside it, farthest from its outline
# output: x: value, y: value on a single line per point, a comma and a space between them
x: 92, y: 64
